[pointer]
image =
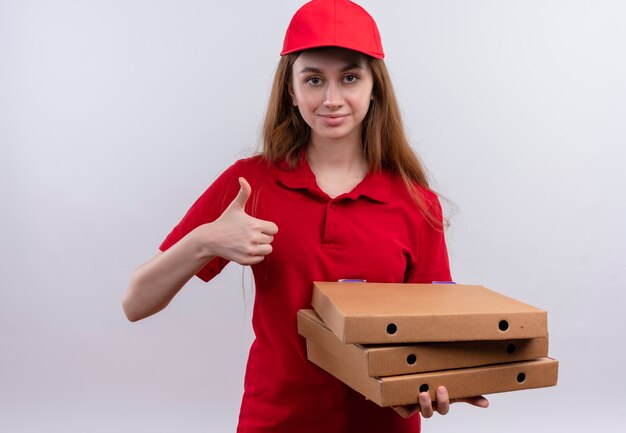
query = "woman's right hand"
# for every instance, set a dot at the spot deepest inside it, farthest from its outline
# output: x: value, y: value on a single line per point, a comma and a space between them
x: 237, y: 236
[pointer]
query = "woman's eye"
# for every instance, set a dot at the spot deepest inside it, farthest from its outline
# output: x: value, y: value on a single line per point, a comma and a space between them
x: 314, y: 80
x: 350, y: 78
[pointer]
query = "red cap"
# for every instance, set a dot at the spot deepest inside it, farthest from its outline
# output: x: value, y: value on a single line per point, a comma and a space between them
x: 333, y: 23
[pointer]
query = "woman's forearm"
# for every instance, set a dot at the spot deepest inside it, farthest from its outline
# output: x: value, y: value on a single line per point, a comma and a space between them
x: 234, y: 236
x: 155, y: 283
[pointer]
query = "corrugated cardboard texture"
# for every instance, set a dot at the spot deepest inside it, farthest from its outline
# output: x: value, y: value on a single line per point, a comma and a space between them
x: 416, y: 358
x: 467, y: 382
x: 377, y: 313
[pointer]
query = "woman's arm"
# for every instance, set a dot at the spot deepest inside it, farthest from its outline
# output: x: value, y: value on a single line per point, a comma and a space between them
x: 155, y: 283
x: 235, y: 236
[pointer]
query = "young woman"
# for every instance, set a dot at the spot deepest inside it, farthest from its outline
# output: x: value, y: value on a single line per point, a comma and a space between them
x: 336, y: 193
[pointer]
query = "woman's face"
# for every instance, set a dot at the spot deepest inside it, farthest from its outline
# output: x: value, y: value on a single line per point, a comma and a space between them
x: 332, y: 88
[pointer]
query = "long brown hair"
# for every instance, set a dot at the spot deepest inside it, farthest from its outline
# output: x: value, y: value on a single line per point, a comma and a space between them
x: 385, y: 145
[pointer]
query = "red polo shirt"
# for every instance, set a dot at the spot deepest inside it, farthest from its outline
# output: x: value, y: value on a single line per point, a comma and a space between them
x: 374, y: 232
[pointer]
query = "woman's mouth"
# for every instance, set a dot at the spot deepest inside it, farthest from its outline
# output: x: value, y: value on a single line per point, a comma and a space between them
x: 333, y: 119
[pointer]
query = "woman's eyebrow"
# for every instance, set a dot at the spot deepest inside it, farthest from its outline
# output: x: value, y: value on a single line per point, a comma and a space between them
x: 315, y: 70
x: 350, y: 66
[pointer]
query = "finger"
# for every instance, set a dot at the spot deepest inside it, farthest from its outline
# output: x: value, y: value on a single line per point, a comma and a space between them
x: 269, y: 228
x: 250, y: 260
x: 266, y: 227
x: 242, y: 196
x: 264, y: 239
x: 255, y: 255
x: 426, y: 406
x: 443, y: 401
x: 478, y: 401
x: 262, y: 250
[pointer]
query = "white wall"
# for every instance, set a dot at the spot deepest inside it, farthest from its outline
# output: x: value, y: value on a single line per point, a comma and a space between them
x: 115, y: 115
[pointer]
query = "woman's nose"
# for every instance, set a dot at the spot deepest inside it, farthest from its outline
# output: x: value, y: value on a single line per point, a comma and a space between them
x: 333, y: 97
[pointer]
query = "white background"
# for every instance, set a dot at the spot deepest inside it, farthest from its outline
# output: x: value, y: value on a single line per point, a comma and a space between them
x: 115, y: 115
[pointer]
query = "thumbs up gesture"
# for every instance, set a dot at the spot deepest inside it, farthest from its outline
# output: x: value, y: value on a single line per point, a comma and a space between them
x: 238, y: 237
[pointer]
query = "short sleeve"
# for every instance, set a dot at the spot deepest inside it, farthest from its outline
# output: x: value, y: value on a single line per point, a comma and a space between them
x: 431, y: 258
x: 207, y: 208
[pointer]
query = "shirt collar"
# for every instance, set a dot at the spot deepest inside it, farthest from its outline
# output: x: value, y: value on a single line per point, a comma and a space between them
x: 375, y: 185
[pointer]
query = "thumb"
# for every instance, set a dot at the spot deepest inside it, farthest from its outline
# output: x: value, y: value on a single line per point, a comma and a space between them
x: 242, y: 196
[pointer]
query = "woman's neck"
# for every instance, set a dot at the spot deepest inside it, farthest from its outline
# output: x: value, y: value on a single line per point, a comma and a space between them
x: 338, y: 166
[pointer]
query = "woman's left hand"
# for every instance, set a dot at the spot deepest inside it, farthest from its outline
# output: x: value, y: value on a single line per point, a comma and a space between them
x: 426, y: 407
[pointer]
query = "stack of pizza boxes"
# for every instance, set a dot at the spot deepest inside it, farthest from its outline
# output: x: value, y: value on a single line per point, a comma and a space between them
x: 392, y: 341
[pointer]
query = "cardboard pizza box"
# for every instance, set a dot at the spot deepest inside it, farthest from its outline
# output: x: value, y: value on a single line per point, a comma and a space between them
x: 384, y: 313
x: 415, y: 358
x: 465, y: 382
